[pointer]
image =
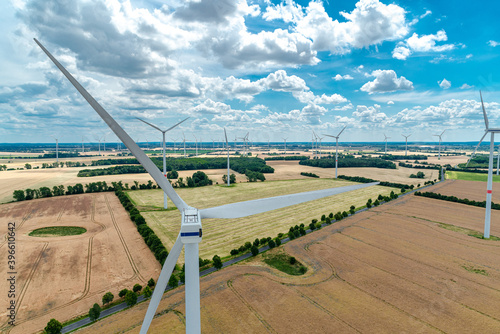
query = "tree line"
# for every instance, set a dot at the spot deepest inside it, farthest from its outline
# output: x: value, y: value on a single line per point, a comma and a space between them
x: 455, y: 199
x: 349, y: 161
x: 361, y: 179
x: 288, y: 157
x: 42, y: 192
x: 403, y: 157
x: 240, y: 165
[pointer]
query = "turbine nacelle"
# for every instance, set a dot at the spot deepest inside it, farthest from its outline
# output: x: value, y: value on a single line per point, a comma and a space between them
x: 191, y: 231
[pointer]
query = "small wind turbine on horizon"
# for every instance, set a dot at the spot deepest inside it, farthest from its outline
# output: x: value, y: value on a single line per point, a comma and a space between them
x: 406, y: 140
x: 336, y: 148
x: 57, y: 151
x: 191, y: 228
x: 184, y: 141
x: 227, y: 146
x: 285, y: 144
x: 489, y: 186
x: 439, y: 154
x: 386, y: 143
x: 164, y: 150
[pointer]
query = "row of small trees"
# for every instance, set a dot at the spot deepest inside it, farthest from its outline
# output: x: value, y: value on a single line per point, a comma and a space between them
x: 455, y: 199
x: 150, y: 238
x: 42, y: 192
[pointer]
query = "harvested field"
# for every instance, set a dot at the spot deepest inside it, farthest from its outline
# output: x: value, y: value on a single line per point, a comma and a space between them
x: 390, y: 269
x: 222, y: 235
x: 472, y: 190
x: 61, y: 277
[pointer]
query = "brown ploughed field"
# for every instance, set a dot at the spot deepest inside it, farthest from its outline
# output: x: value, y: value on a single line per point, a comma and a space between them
x: 61, y: 277
x: 472, y: 190
x: 391, y: 269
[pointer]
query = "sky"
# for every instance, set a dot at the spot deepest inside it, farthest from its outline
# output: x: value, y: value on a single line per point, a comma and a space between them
x: 268, y: 68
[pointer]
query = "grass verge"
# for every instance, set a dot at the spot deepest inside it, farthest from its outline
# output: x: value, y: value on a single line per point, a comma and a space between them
x: 466, y: 231
x: 475, y: 270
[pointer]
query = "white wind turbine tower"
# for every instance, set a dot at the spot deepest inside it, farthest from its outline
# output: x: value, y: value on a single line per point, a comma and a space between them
x: 83, y: 148
x: 489, y: 186
x: 406, y: 146
x: 57, y: 151
x: 191, y: 229
x: 386, y: 143
x: 196, y: 139
x: 337, y: 148
x: 184, y: 141
x: 285, y: 144
x: 439, y: 154
x: 227, y: 146
x: 164, y: 151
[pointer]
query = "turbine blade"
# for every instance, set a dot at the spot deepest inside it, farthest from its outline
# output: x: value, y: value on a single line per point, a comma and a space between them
x: 170, y: 128
x: 226, y: 137
x: 124, y: 137
x: 248, y: 208
x: 484, y: 112
x: 341, y: 131
x: 154, y: 126
x: 473, y: 153
x: 161, y: 284
x: 330, y: 136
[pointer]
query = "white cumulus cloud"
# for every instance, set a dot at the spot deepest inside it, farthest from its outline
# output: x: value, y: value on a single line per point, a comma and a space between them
x: 493, y: 43
x: 339, y: 77
x: 386, y: 81
x: 424, y: 43
x: 445, y: 84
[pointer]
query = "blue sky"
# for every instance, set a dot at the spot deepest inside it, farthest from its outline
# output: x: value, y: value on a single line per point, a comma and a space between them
x: 274, y: 69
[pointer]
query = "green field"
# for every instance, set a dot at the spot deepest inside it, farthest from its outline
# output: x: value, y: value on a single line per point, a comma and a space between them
x: 471, y: 176
x: 222, y: 235
x: 57, y: 231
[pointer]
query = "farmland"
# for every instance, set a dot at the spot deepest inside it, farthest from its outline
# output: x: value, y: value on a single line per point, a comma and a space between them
x: 222, y: 235
x: 471, y: 176
x: 61, y: 276
x: 475, y: 191
x: 393, y: 264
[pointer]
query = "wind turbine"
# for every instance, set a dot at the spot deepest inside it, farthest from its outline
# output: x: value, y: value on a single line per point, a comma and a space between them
x: 386, y: 143
x: 313, y: 141
x: 489, y: 186
x: 337, y: 148
x: 285, y: 143
x: 164, y: 151
x: 196, y: 139
x: 184, y: 141
x: 227, y: 145
x: 406, y: 146
x: 57, y: 151
x: 439, y: 154
x: 191, y: 229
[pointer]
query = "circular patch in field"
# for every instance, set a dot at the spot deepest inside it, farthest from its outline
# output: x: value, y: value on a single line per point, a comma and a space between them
x: 57, y: 231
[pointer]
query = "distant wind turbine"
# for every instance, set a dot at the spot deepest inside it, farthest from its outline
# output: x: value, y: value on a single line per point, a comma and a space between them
x: 227, y: 145
x: 164, y: 151
x: 285, y: 143
x: 439, y: 154
x: 489, y: 186
x: 406, y: 146
x: 337, y: 148
x: 386, y: 143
